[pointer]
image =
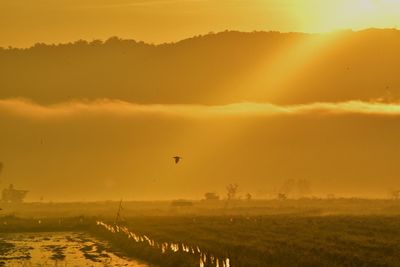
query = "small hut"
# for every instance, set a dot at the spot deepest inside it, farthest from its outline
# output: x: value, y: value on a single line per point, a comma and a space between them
x: 11, y: 195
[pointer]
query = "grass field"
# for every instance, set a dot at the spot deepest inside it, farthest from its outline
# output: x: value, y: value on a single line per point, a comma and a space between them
x: 312, y: 207
x: 293, y: 233
x: 282, y: 240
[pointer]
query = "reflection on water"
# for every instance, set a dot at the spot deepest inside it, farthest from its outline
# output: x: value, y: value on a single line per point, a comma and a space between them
x: 204, y: 257
x: 58, y: 249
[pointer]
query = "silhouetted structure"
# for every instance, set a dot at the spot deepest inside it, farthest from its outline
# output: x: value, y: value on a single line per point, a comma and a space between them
x: 118, y: 216
x: 249, y: 197
x: 12, y: 195
x: 210, y: 196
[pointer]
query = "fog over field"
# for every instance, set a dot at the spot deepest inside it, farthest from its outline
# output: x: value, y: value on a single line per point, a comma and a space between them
x: 102, y: 120
x: 108, y: 150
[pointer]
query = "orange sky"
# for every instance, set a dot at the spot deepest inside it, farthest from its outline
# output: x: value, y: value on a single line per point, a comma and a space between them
x: 24, y: 22
x: 102, y: 121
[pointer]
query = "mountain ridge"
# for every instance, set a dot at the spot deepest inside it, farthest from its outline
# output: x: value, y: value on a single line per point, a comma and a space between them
x: 219, y: 68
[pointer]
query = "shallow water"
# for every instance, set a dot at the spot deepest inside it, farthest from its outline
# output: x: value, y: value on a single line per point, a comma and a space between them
x: 58, y: 249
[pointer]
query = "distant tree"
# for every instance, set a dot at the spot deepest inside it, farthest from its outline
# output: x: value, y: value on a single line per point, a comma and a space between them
x: 288, y: 187
x: 96, y: 42
x: 40, y: 46
x: 113, y: 41
x: 303, y: 187
x: 81, y: 43
x: 232, y: 191
x: 395, y: 194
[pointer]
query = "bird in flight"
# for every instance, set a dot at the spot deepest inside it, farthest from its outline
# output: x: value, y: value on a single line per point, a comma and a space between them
x: 177, y: 159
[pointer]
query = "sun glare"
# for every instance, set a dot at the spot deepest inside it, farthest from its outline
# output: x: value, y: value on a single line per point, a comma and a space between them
x: 349, y: 14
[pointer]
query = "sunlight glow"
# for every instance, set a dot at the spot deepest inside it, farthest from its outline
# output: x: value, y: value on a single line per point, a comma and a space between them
x: 320, y: 16
x: 178, y: 19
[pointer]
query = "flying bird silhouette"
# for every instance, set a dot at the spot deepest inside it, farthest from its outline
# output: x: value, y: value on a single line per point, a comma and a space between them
x: 177, y: 159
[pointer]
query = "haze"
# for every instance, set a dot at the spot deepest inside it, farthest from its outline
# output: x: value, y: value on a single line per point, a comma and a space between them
x: 101, y: 119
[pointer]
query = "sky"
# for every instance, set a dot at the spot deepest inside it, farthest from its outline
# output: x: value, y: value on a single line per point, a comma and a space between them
x: 25, y: 22
x: 96, y: 121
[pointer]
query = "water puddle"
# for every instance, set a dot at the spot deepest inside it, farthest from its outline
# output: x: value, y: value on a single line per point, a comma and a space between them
x: 58, y: 249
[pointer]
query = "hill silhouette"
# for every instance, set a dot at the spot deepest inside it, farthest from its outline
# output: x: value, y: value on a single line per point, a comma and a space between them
x: 212, y: 69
